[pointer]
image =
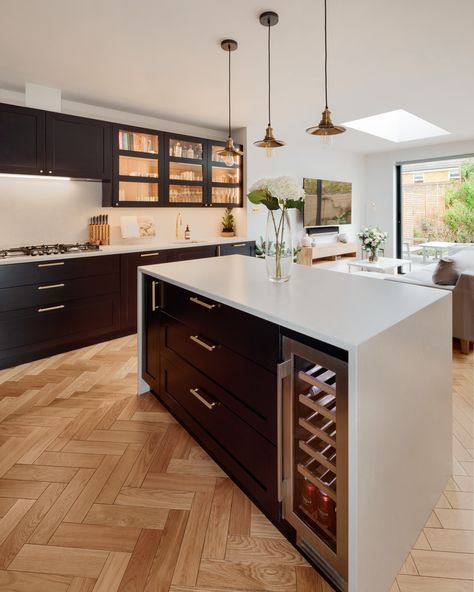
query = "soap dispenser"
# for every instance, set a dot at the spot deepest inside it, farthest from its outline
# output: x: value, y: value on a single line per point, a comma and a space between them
x: 187, y: 233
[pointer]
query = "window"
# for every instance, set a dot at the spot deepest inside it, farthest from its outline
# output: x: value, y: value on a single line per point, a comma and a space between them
x: 454, y: 174
x: 418, y: 177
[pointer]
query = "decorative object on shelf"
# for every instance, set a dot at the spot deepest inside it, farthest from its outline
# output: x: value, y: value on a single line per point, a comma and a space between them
x: 99, y: 230
x: 372, y: 238
x: 228, y: 223
x: 326, y: 128
x: 230, y: 152
x: 343, y: 238
x: 269, y: 20
x: 278, y: 196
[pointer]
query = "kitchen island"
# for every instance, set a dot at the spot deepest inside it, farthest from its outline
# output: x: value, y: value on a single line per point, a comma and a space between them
x: 327, y: 399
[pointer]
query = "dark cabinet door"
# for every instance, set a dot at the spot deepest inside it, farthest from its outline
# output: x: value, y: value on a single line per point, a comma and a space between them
x: 22, y: 140
x: 186, y: 253
x: 128, y: 293
x: 238, y: 248
x: 151, y: 333
x: 78, y: 147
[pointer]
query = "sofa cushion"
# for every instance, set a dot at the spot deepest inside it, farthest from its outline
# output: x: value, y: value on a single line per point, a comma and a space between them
x: 463, y: 259
x: 446, y: 272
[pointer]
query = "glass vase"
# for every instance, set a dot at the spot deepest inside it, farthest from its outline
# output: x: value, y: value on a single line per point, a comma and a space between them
x: 373, y: 256
x: 278, y: 246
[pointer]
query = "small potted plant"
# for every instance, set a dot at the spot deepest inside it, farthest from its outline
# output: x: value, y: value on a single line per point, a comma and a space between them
x: 372, y: 239
x: 228, y: 223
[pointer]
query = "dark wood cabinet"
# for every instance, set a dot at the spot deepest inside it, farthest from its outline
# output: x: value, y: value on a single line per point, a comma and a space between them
x: 151, y: 333
x: 43, y: 143
x: 129, y: 277
x: 22, y: 140
x: 186, y: 253
x: 78, y: 147
x: 213, y: 383
x: 51, y: 306
x: 238, y: 248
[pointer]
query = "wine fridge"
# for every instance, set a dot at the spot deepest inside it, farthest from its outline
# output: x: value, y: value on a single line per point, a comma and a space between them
x: 314, y: 453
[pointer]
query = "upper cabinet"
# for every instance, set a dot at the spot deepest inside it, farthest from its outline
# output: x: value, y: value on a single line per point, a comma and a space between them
x: 153, y: 169
x: 137, y: 178
x: 42, y: 143
x: 77, y: 147
x: 22, y: 140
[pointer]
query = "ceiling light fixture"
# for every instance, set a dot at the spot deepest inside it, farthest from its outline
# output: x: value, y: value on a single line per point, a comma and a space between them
x: 230, y: 152
x: 269, y: 19
x: 326, y: 127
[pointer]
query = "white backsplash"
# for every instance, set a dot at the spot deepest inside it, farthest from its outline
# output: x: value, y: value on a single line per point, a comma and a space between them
x: 36, y: 211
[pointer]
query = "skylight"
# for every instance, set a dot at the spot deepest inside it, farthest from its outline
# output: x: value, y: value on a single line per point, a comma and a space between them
x: 397, y: 126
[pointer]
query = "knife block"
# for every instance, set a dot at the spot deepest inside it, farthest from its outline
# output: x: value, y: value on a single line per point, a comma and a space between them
x: 99, y: 234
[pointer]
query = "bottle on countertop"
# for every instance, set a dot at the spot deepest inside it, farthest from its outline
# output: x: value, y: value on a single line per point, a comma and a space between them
x: 187, y: 233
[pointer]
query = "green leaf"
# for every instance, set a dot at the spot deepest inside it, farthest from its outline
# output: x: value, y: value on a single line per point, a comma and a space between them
x: 297, y: 204
x: 258, y: 196
x: 271, y: 203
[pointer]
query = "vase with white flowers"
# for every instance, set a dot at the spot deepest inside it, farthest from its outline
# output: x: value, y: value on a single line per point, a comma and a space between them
x: 278, y: 196
x: 372, y: 238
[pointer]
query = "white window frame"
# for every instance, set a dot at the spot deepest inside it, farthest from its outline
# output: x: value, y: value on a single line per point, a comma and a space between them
x: 456, y: 176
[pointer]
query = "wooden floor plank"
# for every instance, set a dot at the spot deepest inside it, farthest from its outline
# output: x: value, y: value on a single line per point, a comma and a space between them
x: 127, y: 516
x: 14, y: 581
x: 140, y: 563
x: 112, y: 572
x: 88, y: 536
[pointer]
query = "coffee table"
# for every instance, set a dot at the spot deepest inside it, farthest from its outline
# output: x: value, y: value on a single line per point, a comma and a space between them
x: 382, y: 265
x: 437, y: 246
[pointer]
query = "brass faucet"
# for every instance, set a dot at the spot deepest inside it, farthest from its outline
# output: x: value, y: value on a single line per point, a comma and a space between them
x: 179, y: 223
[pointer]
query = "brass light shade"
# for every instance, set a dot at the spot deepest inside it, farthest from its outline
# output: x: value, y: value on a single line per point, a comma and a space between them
x: 269, y: 19
x: 269, y: 141
x: 229, y: 152
x: 326, y: 127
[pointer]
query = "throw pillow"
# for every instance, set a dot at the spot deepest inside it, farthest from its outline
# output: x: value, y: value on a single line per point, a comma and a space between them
x: 446, y: 273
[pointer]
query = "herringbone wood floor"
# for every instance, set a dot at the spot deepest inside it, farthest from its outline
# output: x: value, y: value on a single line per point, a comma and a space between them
x: 101, y: 490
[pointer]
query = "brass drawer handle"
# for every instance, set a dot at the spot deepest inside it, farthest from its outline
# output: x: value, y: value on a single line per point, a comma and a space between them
x: 51, y: 286
x: 153, y: 296
x: 196, y: 300
x: 51, y: 308
x: 148, y: 254
x: 196, y: 339
x: 239, y: 245
x: 199, y: 397
x: 51, y: 264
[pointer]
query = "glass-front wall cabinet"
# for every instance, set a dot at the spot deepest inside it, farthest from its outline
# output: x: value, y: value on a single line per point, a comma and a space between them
x: 138, y: 166
x: 225, y: 178
x: 153, y: 169
x: 186, y: 170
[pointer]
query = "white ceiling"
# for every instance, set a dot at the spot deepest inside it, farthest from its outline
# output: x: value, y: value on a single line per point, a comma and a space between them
x: 162, y: 58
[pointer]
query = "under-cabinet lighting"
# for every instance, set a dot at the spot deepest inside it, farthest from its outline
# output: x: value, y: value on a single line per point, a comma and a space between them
x: 14, y: 176
x: 397, y: 126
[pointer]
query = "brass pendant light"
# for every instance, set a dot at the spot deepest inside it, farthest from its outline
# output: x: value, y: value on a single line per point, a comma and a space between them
x: 230, y: 153
x: 326, y: 128
x: 269, y: 19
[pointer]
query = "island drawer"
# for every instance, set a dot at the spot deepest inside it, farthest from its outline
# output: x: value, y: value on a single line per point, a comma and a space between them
x: 250, y: 389
x: 205, y: 402
x: 243, y: 333
x: 55, y: 270
x: 46, y: 293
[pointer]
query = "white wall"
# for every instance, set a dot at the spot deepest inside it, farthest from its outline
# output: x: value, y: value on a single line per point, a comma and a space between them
x: 45, y: 210
x: 380, y: 206
x: 303, y: 156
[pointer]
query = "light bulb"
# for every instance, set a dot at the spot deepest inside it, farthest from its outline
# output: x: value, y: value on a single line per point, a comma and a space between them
x: 326, y: 140
x: 268, y: 151
x: 229, y: 159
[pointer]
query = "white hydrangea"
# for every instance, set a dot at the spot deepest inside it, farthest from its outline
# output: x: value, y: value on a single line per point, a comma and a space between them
x: 282, y: 188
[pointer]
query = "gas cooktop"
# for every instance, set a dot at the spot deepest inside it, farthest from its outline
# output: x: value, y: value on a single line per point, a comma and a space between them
x: 55, y: 249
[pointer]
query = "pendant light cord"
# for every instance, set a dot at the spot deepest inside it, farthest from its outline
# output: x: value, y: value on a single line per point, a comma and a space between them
x: 326, y: 51
x: 269, y: 77
x: 230, y: 105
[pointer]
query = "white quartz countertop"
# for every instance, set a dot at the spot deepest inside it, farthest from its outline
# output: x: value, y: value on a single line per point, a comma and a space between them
x: 132, y: 248
x: 342, y: 309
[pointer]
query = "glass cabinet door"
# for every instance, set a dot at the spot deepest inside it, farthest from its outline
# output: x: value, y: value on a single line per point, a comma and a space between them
x: 138, y: 167
x: 225, y: 179
x: 186, y: 170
